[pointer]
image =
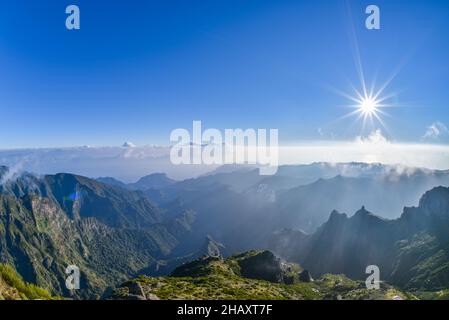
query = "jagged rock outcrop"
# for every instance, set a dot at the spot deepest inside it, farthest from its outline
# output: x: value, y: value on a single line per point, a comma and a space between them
x: 410, y: 251
x: 213, y: 248
x: 135, y: 288
x: 215, y: 278
x: 261, y: 265
x: 305, y: 276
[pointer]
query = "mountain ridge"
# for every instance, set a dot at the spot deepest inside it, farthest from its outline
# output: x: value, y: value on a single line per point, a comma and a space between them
x: 64, y: 219
x: 348, y: 244
x: 257, y: 274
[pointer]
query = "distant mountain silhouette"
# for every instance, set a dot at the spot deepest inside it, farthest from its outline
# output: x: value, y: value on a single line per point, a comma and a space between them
x: 411, y: 251
x: 152, y: 181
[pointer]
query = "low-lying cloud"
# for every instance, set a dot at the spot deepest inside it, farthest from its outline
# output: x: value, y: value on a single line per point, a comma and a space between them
x: 129, y: 164
x: 436, y: 131
x: 374, y: 148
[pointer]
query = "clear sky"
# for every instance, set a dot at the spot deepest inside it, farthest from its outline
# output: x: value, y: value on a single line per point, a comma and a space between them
x: 138, y: 69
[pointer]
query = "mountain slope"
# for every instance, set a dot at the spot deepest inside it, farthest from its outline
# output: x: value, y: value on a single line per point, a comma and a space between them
x: 111, y: 234
x: 82, y: 197
x: 411, y: 251
x: 215, y: 278
x: 12, y: 287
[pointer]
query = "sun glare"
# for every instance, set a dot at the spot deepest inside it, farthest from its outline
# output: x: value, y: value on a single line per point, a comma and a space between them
x: 368, y: 106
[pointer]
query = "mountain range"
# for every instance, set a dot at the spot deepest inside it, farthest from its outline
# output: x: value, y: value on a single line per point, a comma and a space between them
x: 110, y: 233
x: 299, y: 197
x: 114, y: 231
x: 411, y: 251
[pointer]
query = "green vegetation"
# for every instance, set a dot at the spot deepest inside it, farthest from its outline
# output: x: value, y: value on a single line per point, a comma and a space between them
x: 423, y: 264
x: 433, y: 295
x: 216, y: 278
x: 109, y: 233
x: 113, y: 234
x: 12, y: 287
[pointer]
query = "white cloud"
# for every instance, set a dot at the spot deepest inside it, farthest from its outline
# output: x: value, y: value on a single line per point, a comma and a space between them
x: 435, y: 131
x: 375, y: 137
x: 126, y: 164
x: 12, y: 172
x: 430, y: 156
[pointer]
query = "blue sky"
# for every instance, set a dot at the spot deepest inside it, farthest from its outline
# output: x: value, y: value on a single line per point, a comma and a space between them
x: 138, y: 69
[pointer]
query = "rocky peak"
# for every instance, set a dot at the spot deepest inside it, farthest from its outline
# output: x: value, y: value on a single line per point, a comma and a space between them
x: 196, y: 268
x: 362, y: 212
x: 128, y: 144
x: 212, y: 247
x: 305, y: 276
x: 261, y: 265
x: 337, y: 216
x: 336, y: 221
x: 435, y: 202
x: 364, y: 216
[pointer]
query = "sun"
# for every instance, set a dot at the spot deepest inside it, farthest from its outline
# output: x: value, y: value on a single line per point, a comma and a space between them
x: 368, y: 106
x: 369, y: 103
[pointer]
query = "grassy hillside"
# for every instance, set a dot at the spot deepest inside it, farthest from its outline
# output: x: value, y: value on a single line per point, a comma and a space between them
x: 12, y: 287
x: 216, y: 278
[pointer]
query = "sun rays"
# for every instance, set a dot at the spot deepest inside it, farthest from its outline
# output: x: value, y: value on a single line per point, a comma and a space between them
x: 369, y: 100
x: 370, y: 105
